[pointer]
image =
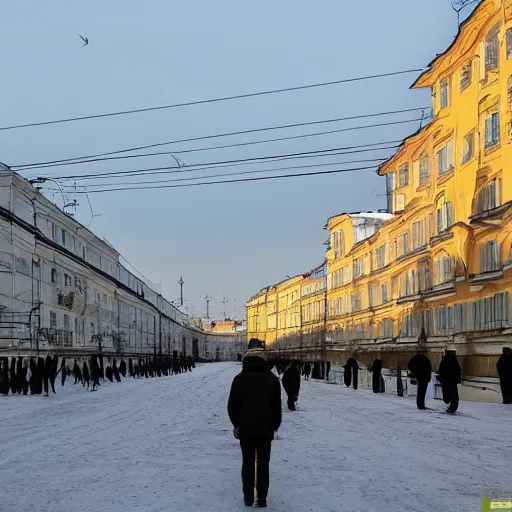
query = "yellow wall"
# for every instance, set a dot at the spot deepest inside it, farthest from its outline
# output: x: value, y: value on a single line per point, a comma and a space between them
x: 279, y: 311
x: 442, y: 261
x: 442, y: 213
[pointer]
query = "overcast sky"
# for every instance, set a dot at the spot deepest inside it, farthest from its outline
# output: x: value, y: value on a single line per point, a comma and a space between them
x: 226, y: 240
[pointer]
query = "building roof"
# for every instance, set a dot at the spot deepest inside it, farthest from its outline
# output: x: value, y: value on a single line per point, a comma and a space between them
x: 379, y: 214
x: 439, y: 56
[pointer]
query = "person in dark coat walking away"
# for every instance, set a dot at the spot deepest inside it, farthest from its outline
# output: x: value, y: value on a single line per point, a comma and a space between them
x: 421, y: 368
x: 86, y: 375
x: 291, y: 385
x: 450, y: 375
x: 376, y: 369
x: 504, y: 367
x: 307, y: 370
x: 254, y: 408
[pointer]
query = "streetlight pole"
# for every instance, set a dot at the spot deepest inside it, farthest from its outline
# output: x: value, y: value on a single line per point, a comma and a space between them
x: 181, y: 283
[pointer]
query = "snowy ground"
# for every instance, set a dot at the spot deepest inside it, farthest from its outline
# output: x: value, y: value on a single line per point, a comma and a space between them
x: 166, y: 445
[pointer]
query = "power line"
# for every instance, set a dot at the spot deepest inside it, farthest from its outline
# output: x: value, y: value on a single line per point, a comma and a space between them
x: 304, y: 154
x: 226, y: 146
x: 239, y: 173
x: 173, y: 170
x: 242, y: 180
x: 218, y: 135
x: 212, y: 100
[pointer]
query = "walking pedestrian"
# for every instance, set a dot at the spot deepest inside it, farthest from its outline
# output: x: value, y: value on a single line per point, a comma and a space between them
x: 450, y: 375
x: 307, y: 370
x: 376, y: 369
x: 421, y: 368
x: 291, y: 384
x: 254, y: 408
x: 504, y: 367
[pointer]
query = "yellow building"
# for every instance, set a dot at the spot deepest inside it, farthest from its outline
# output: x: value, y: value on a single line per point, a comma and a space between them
x: 289, y: 310
x: 437, y: 269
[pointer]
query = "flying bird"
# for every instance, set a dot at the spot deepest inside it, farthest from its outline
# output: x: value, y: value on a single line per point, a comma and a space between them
x: 84, y: 39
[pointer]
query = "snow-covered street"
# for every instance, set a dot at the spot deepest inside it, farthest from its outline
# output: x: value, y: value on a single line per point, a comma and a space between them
x: 166, y: 444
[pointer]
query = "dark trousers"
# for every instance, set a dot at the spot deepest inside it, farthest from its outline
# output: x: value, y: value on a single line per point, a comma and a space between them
x: 376, y: 381
x: 451, y: 395
x: 255, y: 451
x: 291, y: 402
x: 506, y: 390
x: 420, y: 394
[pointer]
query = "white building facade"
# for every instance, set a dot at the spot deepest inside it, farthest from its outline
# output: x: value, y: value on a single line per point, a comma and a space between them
x: 63, y: 289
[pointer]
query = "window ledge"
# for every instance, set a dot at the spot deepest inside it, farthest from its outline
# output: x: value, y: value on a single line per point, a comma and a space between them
x: 443, y: 178
x: 484, y: 277
x: 437, y: 239
x: 492, y: 148
x: 424, y: 186
x: 493, y: 213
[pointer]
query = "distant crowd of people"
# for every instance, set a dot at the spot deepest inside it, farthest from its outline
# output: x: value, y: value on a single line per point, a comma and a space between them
x: 255, y: 410
x: 37, y: 375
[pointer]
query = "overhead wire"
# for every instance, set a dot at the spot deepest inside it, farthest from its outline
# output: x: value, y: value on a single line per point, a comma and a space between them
x: 211, y: 100
x: 239, y: 173
x: 226, y: 146
x: 242, y: 180
x: 217, y: 135
x: 270, y: 158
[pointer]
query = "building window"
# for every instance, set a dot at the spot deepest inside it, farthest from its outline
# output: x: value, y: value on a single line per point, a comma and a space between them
x: 465, y: 76
x: 445, y: 93
x: 467, y: 148
x: 444, y: 216
x: 403, y: 176
x: 380, y: 256
x: 489, y: 257
x: 390, y: 187
x: 54, y: 275
x: 492, y: 49
x: 66, y: 322
x: 489, y: 196
x: 419, y: 234
x: 386, y: 328
x: 509, y: 43
x: 356, y: 302
x: 492, y: 130
x: 338, y: 243
x: 372, y: 294
x: 67, y: 280
x: 77, y: 282
x: 383, y: 293
x: 445, y: 269
x: 53, y: 320
x: 424, y: 171
x: 358, y: 267
x: 445, y: 159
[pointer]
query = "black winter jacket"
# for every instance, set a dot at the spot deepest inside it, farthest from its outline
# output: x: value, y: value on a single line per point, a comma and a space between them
x: 450, y: 371
x: 421, y: 367
x: 254, y: 404
x: 291, y: 381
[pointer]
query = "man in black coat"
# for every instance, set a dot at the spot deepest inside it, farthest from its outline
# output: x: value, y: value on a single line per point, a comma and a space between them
x: 421, y: 367
x: 376, y: 369
x: 450, y: 375
x: 504, y: 367
x: 254, y: 408
x: 291, y: 384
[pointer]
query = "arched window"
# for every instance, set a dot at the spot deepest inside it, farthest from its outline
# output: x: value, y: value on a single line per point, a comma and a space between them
x: 444, y: 214
x: 509, y: 43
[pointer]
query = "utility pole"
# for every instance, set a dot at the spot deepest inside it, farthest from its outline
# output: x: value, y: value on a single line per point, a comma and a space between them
x: 224, y: 302
x: 207, y: 299
x: 181, y: 283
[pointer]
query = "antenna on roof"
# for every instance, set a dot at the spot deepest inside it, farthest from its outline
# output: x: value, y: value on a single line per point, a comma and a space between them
x: 459, y: 5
